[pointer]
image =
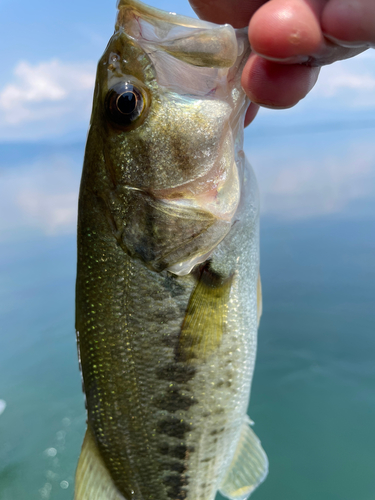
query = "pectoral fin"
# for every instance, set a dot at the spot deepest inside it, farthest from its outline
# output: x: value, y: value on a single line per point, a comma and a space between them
x: 206, y: 316
x: 249, y: 466
x: 93, y: 481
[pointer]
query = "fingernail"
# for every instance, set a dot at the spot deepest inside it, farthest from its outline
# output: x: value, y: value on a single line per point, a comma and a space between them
x: 349, y: 45
x: 300, y: 59
x: 273, y: 106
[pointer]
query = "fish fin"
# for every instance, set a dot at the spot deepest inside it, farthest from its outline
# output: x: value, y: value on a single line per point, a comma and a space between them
x: 249, y: 466
x: 206, y: 316
x: 93, y: 481
x: 259, y: 299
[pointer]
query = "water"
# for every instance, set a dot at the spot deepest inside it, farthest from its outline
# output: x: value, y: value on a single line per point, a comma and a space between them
x: 39, y: 373
x: 313, y: 397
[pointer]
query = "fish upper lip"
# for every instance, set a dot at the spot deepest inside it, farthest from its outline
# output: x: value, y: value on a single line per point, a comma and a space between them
x: 163, y: 15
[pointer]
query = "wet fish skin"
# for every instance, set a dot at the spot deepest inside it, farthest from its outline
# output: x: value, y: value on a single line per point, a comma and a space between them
x: 167, y: 359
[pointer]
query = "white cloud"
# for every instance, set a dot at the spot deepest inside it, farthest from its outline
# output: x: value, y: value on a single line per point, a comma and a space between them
x: 46, y: 99
x: 352, y: 81
x: 54, y: 213
x: 341, y: 78
x: 40, y: 196
x: 354, y: 75
x: 312, y: 177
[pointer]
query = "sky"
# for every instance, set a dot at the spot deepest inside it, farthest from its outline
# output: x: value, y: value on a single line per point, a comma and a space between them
x: 50, y: 54
x: 316, y: 158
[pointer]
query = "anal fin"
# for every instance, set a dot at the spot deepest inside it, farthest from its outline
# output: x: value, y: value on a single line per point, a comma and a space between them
x: 93, y: 481
x: 249, y: 466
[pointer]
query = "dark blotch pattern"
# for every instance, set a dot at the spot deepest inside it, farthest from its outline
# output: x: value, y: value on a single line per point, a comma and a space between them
x: 180, y: 451
x: 174, y: 484
x: 174, y: 466
x: 177, y: 372
x: 164, y: 449
x: 172, y: 426
x: 173, y: 401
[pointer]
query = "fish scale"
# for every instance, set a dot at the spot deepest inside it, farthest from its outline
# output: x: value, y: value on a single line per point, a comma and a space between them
x: 167, y: 269
x: 134, y: 376
x: 140, y: 366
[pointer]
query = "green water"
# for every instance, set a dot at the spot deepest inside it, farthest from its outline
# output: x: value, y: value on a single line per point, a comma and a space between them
x: 313, y: 396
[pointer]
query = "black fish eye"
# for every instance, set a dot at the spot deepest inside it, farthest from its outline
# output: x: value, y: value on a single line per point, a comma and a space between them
x: 124, y: 103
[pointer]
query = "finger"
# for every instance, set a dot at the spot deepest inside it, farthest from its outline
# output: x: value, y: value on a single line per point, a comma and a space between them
x: 276, y: 85
x: 251, y: 113
x: 350, y: 22
x: 289, y: 32
x: 234, y: 12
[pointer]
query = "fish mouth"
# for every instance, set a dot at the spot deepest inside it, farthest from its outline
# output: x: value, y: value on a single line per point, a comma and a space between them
x: 157, y: 15
x: 197, y: 42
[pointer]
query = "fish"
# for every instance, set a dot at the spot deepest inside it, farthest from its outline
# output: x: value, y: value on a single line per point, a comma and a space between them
x: 168, y: 294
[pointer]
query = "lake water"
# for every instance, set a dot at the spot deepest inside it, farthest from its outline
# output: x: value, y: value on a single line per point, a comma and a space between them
x: 313, y: 396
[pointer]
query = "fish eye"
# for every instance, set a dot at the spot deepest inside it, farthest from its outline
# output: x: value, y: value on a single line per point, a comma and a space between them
x: 125, y: 104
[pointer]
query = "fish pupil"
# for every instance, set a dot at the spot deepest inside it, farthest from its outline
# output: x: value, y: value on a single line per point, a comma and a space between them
x: 124, y: 105
x: 127, y: 103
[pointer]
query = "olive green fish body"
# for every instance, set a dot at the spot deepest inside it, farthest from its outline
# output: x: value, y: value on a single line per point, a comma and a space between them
x: 168, y: 264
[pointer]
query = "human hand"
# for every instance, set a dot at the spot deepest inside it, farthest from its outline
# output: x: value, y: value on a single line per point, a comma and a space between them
x: 291, y: 39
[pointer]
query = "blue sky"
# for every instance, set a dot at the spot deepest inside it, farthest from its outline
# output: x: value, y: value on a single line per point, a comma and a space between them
x: 306, y: 165
x: 50, y: 50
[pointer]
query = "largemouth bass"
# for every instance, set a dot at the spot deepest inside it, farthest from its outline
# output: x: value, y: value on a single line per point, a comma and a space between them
x: 168, y: 291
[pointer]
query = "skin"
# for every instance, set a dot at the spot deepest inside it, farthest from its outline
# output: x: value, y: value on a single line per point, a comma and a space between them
x: 291, y: 40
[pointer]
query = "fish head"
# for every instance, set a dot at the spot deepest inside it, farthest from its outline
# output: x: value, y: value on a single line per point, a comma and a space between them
x: 168, y: 120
